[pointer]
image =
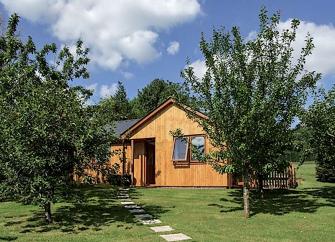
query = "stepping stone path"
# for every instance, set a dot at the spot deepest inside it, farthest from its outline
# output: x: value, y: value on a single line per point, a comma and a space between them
x: 137, y: 210
x: 159, y: 229
x: 175, y: 237
x: 127, y: 203
x: 148, y: 219
x: 143, y: 216
x: 132, y: 207
x: 151, y: 221
x: 120, y: 197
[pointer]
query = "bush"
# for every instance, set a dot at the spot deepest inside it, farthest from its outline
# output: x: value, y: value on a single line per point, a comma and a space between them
x: 325, y: 171
x: 89, y: 180
x: 119, y: 180
x: 114, y: 178
x: 320, y: 119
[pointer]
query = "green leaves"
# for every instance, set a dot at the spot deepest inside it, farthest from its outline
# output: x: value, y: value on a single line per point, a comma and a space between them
x: 115, y: 107
x: 320, y: 121
x: 155, y: 93
x: 252, y: 92
x: 46, y: 131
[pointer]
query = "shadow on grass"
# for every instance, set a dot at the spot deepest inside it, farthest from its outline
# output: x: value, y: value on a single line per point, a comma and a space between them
x: 97, y: 207
x: 8, y: 238
x: 280, y: 202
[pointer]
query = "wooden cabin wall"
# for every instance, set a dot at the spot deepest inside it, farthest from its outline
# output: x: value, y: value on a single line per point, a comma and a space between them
x: 139, y: 164
x: 118, y: 157
x: 196, y: 174
x: 91, y: 176
x: 97, y: 176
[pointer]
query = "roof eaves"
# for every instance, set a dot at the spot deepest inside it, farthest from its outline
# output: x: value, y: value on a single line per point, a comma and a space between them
x: 156, y: 110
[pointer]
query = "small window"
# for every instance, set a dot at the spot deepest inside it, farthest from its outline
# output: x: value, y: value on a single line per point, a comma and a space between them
x: 198, y: 145
x: 180, y: 149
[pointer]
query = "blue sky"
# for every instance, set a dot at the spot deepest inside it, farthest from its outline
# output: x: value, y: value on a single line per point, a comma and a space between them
x: 130, y: 39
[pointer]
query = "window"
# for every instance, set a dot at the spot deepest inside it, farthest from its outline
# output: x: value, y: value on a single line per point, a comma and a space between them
x: 180, y: 149
x: 198, y: 147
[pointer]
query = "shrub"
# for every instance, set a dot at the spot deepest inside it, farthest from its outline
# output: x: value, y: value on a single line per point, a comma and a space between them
x: 119, y: 180
x: 320, y: 119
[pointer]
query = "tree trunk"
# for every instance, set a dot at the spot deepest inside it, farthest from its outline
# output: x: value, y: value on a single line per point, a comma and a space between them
x: 47, y: 212
x: 246, y: 196
x: 260, y: 179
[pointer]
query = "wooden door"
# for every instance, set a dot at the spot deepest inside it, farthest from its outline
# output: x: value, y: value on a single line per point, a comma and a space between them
x: 150, y: 162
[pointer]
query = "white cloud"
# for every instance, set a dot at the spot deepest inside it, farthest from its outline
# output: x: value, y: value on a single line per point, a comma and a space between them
x: 92, y: 86
x: 106, y: 91
x: 116, y: 31
x: 199, y: 68
x: 251, y: 36
x: 173, y: 48
x: 127, y: 75
x: 322, y: 59
x: 89, y: 102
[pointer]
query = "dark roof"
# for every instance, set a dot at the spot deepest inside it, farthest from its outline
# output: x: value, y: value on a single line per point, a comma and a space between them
x: 123, y: 125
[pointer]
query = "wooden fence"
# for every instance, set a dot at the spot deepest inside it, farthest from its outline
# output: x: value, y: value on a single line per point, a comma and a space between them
x: 274, y: 180
x: 281, y: 180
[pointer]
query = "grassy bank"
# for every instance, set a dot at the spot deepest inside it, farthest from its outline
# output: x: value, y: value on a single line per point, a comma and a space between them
x: 304, y: 214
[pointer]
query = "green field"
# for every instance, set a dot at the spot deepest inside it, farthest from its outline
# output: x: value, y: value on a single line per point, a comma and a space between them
x: 304, y: 214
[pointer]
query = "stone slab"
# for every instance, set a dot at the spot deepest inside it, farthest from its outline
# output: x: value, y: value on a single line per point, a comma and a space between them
x: 175, y: 237
x: 123, y: 194
x: 151, y: 221
x: 122, y: 197
x: 123, y: 189
x: 126, y: 200
x: 143, y: 216
x: 137, y: 210
x: 159, y: 229
x: 127, y: 203
x: 133, y: 206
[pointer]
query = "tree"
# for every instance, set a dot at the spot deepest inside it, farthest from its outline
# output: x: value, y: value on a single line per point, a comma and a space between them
x: 302, y: 149
x: 320, y: 120
x: 251, y: 92
x: 155, y: 93
x: 117, y: 105
x: 46, y: 131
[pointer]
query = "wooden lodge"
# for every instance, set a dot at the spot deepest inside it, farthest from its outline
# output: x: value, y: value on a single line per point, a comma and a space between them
x: 153, y: 157
x: 148, y: 152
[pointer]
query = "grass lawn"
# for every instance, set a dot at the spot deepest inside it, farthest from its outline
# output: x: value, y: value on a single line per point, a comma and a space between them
x: 304, y: 214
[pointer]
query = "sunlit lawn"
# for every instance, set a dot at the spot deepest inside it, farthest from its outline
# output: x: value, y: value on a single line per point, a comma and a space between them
x: 304, y: 214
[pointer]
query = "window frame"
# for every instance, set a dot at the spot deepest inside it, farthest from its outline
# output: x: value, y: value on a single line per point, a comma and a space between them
x: 188, y: 156
x: 187, y: 148
x: 190, y: 138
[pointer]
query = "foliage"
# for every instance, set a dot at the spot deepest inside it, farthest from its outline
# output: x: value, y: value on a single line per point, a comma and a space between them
x: 302, y: 150
x: 119, y: 180
x: 116, y: 106
x: 320, y: 119
x: 46, y: 131
x: 147, y: 99
x: 155, y: 93
x: 251, y: 92
x: 97, y: 143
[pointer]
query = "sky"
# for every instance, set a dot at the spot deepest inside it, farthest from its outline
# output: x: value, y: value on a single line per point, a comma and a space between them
x: 136, y: 41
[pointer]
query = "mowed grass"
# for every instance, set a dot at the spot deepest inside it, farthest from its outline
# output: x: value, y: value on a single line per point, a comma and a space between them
x: 95, y: 215
x: 303, y: 214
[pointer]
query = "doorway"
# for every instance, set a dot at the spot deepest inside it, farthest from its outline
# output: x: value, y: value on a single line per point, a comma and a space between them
x: 150, y: 162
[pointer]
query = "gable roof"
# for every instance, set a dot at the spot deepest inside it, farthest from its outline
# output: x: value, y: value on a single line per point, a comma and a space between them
x: 147, y: 117
x: 122, y: 125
